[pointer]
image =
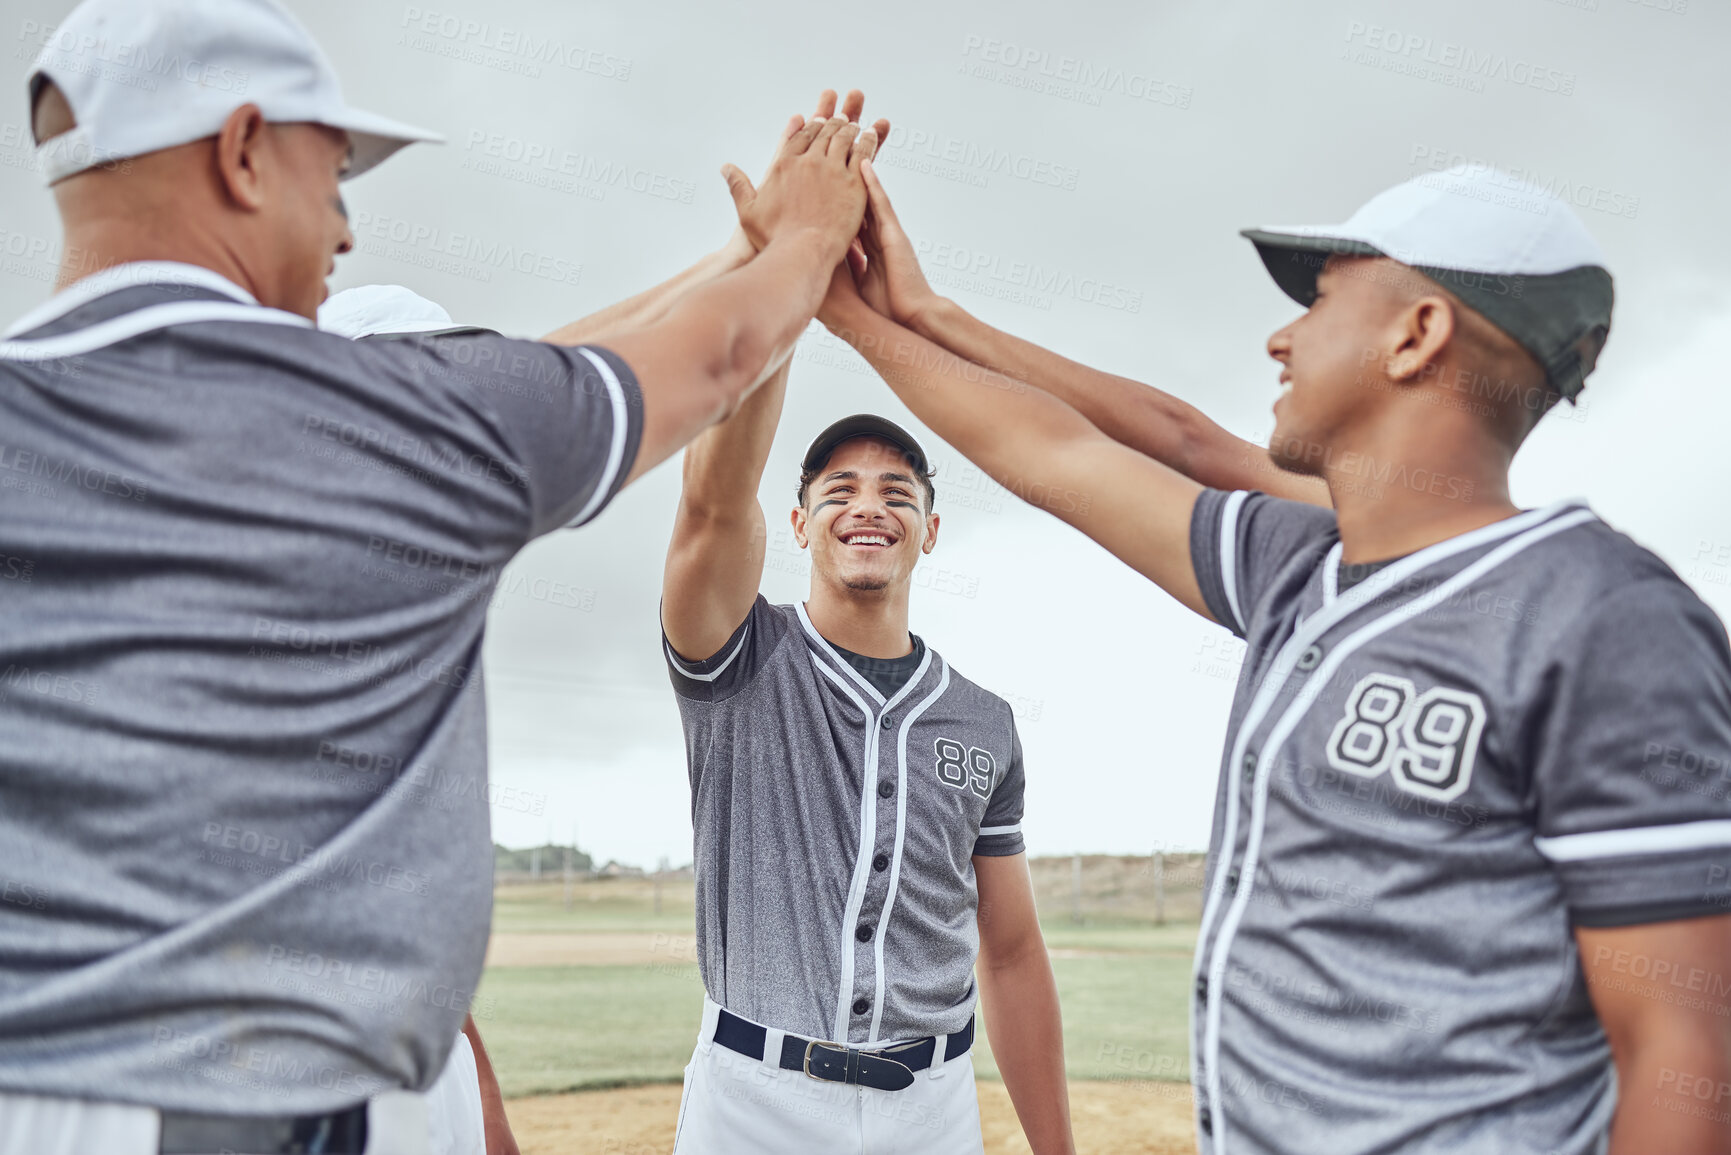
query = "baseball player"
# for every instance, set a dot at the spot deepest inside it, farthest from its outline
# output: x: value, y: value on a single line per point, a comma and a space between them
x: 242, y: 904
x: 857, y: 807
x: 1460, y: 897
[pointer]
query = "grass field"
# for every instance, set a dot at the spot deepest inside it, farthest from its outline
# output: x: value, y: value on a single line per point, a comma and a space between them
x: 588, y: 987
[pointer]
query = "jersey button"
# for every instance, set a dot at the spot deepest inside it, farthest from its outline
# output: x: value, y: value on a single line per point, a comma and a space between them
x: 885, y: 722
x: 1309, y: 659
x: 1250, y: 765
x: 1232, y: 879
x: 886, y: 788
x: 881, y: 862
x: 1205, y: 1121
x: 864, y: 933
x: 860, y: 1006
x: 1201, y: 988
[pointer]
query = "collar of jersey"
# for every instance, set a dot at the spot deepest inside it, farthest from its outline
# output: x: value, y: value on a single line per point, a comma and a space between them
x: 818, y: 644
x: 131, y: 275
x: 1402, y: 569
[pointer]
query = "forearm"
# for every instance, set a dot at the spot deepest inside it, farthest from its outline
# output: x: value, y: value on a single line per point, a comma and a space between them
x: 1148, y: 420
x: 652, y: 304
x: 1026, y: 1030
x: 724, y: 465
x: 721, y: 340
x: 1000, y: 423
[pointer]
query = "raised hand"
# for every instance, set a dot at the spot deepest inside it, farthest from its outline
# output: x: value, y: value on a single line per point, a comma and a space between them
x: 889, y: 276
x: 813, y: 185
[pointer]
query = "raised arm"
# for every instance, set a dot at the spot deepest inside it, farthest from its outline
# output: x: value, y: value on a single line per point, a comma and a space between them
x: 1033, y: 444
x: 715, y: 558
x: 653, y: 304
x: 722, y: 339
x: 1151, y: 422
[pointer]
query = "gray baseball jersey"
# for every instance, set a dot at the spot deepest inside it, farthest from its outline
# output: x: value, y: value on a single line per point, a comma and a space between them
x: 1430, y: 778
x: 835, y: 831
x: 245, y: 863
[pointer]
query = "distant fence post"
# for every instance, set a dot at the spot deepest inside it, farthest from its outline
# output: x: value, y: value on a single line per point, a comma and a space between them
x: 567, y: 878
x: 535, y: 865
x: 1159, y: 888
x: 1075, y: 888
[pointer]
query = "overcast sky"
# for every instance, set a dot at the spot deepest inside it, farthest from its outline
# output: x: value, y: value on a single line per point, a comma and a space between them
x: 1075, y: 173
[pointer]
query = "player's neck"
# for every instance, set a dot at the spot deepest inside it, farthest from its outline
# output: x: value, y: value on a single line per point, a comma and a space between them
x: 1414, y: 489
x: 869, y: 622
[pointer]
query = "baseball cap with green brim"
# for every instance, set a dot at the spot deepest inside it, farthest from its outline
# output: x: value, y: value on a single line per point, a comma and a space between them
x: 144, y: 75
x: 1509, y: 250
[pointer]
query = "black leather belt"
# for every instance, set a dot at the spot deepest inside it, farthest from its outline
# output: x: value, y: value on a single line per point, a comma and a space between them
x: 339, y: 1133
x: 886, y: 1069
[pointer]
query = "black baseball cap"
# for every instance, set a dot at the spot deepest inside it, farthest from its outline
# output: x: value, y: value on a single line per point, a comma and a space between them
x: 864, y: 425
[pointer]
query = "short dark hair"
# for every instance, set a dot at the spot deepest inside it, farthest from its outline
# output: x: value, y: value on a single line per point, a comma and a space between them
x: 807, y: 476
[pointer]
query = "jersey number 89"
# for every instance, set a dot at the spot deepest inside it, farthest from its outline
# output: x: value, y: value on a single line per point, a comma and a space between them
x: 969, y: 769
x: 1429, y: 740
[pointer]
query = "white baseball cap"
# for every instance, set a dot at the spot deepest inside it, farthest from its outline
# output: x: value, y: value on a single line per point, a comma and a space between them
x: 1508, y: 249
x: 385, y: 310
x: 143, y: 75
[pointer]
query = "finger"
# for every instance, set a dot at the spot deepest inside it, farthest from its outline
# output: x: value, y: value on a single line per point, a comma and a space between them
x: 853, y: 105
x: 856, y: 263
x: 800, y: 141
x: 865, y: 146
x: 882, y: 128
x: 794, y: 124
x: 841, y: 144
x: 825, y: 105
x: 820, y: 143
x: 739, y: 186
x: 878, y: 198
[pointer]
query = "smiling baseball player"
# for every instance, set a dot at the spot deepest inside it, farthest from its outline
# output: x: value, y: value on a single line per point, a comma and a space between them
x: 1452, y: 907
x: 857, y: 809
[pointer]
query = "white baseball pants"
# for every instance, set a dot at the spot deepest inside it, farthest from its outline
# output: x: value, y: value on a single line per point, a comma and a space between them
x: 737, y: 1104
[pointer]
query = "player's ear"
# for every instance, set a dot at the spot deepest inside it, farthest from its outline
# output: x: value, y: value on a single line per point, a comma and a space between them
x: 1423, y: 332
x: 798, y: 519
x: 931, y: 533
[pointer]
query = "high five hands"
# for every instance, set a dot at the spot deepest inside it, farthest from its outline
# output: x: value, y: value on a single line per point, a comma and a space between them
x: 821, y: 179
x: 813, y: 185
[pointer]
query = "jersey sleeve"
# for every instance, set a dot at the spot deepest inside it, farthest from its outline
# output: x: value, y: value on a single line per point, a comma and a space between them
x: 1633, y: 762
x: 572, y: 417
x: 732, y: 667
x: 1001, y: 828
x: 1240, y: 542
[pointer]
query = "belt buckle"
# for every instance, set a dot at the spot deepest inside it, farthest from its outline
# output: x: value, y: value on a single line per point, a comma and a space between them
x: 808, y: 1046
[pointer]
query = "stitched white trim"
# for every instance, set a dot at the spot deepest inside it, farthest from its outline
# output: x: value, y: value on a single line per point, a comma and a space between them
x: 1301, y: 702
x: 141, y: 321
x: 901, y: 824
x: 616, y: 449
x: 862, y: 860
x: 128, y: 276
x: 1229, y: 555
x: 685, y: 670
x: 1331, y: 574
x: 846, y: 666
x: 1673, y: 838
x: 989, y: 831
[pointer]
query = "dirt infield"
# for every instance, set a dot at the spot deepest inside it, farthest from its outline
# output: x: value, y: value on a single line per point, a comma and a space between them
x: 1123, y: 1118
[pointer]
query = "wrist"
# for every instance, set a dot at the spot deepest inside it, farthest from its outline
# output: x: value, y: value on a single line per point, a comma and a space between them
x: 930, y: 315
